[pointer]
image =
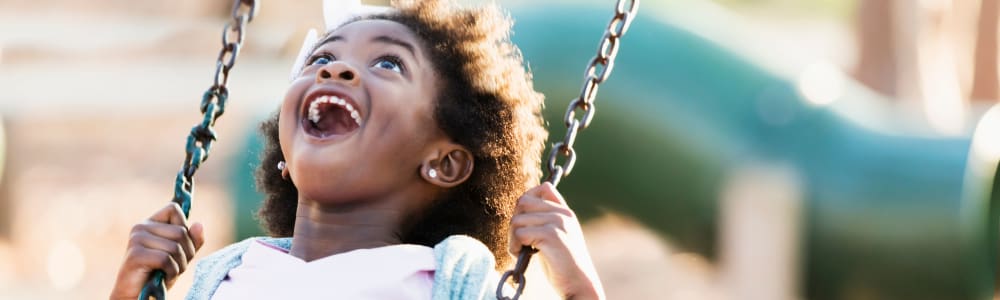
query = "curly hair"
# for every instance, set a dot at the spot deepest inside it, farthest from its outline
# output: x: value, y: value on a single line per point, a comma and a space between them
x: 486, y: 103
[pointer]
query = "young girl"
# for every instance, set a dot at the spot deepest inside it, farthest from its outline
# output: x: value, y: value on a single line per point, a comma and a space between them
x: 394, y: 169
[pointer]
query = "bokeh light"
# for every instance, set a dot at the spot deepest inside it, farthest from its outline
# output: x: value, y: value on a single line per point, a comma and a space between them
x: 66, y: 265
x: 821, y: 83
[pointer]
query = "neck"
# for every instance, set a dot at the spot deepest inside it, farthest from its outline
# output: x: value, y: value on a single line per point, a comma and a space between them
x: 322, y: 230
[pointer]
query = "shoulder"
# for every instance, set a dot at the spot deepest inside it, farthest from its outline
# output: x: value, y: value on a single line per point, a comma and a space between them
x: 463, y: 250
x: 464, y: 269
x: 212, y: 269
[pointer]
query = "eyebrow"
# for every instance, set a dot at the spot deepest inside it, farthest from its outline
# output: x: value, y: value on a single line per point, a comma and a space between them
x: 398, y: 42
x: 382, y: 39
x: 329, y: 39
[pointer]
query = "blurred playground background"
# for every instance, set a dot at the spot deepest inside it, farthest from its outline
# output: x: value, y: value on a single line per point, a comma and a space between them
x: 743, y: 149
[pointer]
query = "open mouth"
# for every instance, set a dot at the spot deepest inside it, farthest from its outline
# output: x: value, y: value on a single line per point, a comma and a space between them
x: 328, y: 116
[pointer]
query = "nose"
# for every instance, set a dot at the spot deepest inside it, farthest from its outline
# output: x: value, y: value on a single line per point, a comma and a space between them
x: 338, y: 71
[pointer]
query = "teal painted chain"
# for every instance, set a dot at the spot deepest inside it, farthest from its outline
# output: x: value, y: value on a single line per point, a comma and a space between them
x: 202, y: 136
x: 598, y: 70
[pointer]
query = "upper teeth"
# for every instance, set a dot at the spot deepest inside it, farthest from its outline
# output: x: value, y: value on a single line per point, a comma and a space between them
x: 315, y: 116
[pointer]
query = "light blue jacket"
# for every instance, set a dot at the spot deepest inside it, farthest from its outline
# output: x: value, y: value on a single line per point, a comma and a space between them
x: 463, y: 268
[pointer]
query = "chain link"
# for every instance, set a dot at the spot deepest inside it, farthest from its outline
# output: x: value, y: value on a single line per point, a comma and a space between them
x: 202, y: 136
x: 598, y: 71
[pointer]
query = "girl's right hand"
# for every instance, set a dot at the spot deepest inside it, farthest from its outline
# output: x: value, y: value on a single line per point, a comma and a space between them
x: 162, y: 242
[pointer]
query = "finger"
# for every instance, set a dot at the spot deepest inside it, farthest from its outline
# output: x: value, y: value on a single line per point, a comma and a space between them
x: 175, y: 233
x: 170, y: 214
x: 536, y: 191
x: 177, y: 216
x: 548, y: 192
x: 531, y: 204
x: 530, y: 220
x: 197, y: 232
x: 163, y: 214
x: 514, y: 243
x: 131, y: 276
x: 537, y: 219
x: 174, y: 249
x: 539, y: 237
x: 147, y: 260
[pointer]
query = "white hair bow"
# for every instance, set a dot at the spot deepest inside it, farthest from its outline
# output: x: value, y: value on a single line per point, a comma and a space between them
x: 335, y: 14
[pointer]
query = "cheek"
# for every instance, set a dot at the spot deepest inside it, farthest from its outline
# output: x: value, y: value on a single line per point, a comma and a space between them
x: 403, y: 131
x: 415, y: 132
x: 288, y: 112
x: 294, y: 94
x: 413, y: 117
x: 284, y: 136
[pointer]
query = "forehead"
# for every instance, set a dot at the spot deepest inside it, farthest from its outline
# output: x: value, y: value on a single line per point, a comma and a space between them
x: 364, y: 30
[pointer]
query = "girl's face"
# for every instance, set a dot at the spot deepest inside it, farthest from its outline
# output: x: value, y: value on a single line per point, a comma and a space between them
x: 357, y: 122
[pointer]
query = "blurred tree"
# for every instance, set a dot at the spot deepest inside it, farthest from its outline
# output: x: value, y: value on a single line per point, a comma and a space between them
x: 5, y: 206
x: 899, y: 39
x: 876, y: 46
x: 921, y: 54
x: 835, y: 8
x: 985, y: 81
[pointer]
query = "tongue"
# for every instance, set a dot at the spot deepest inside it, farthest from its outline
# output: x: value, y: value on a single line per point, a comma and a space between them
x: 334, y: 120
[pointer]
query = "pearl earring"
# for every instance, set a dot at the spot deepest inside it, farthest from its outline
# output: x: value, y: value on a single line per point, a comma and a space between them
x: 432, y: 173
x: 283, y: 167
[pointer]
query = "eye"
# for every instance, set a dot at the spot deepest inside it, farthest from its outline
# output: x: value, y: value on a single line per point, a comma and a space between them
x: 320, y: 59
x: 391, y: 63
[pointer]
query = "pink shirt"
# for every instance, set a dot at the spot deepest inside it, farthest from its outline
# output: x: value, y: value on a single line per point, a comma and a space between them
x: 390, y: 272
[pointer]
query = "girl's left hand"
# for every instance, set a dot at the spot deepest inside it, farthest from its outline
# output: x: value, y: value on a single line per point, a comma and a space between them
x: 543, y: 221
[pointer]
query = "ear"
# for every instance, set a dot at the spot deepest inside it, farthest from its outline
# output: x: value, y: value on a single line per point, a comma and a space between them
x: 452, y: 165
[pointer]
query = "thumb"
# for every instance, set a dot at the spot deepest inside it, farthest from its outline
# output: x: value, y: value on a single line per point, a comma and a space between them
x: 197, y: 232
x: 548, y: 192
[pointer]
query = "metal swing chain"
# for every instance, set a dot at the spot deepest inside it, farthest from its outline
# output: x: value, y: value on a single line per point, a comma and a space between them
x: 199, y: 142
x: 598, y: 70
